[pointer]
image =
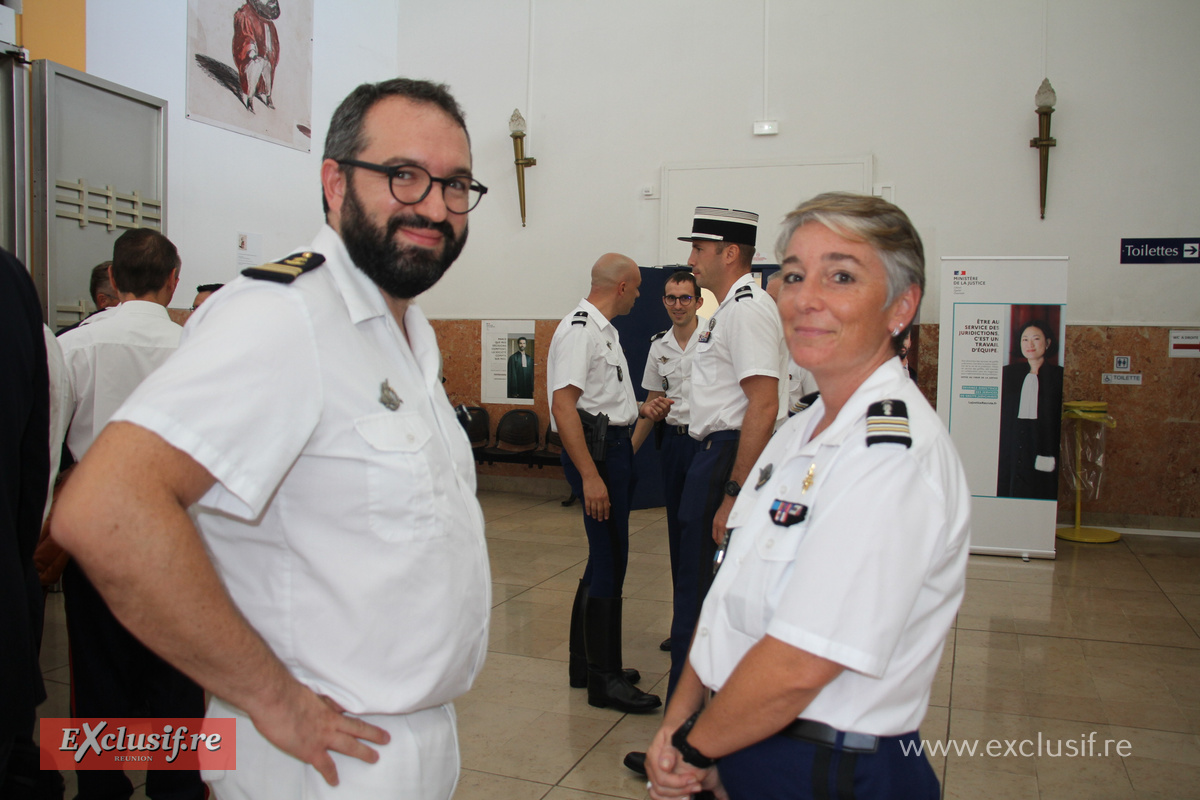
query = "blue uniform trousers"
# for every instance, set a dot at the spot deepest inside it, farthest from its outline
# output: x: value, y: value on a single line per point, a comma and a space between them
x: 608, y: 541
x: 678, y: 450
x: 780, y: 768
x: 703, y: 492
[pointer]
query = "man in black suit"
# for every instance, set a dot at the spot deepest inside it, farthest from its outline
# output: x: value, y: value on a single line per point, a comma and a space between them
x: 520, y: 371
x: 24, y: 475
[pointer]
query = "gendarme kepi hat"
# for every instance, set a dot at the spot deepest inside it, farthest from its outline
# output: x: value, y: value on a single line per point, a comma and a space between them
x: 723, y: 225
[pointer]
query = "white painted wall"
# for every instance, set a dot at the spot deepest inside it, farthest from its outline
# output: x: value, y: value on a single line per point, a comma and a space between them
x: 939, y: 91
x: 220, y: 182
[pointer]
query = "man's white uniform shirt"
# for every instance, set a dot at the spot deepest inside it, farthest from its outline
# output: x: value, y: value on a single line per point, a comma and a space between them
x: 871, y: 570
x: 744, y: 338
x: 800, y: 383
x: 669, y: 370
x: 107, y: 358
x: 344, y: 521
x: 586, y: 353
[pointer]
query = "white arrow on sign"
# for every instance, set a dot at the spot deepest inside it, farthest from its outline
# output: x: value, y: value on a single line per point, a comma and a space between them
x: 1191, y: 250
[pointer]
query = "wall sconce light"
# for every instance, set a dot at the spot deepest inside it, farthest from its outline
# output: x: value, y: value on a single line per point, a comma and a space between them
x: 1045, y: 100
x: 516, y: 127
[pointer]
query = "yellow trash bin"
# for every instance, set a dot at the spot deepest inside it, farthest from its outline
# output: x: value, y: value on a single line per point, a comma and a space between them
x: 1085, y: 475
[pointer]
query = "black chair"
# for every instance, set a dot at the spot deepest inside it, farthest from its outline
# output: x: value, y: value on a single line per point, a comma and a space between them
x: 548, y: 455
x: 516, y: 438
x: 475, y: 422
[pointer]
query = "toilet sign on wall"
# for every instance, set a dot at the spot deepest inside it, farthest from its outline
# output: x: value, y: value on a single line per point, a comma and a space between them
x: 1161, y: 251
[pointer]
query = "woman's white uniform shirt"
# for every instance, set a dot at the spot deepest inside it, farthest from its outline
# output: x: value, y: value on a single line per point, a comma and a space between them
x: 853, y: 552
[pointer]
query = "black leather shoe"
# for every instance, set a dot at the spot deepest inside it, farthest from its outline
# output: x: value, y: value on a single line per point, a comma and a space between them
x: 606, y: 682
x: 577, y: 674
x: 665, y: 645
x: 636, y: 762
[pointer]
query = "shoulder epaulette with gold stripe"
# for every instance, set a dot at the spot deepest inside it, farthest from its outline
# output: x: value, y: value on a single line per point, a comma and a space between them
x: 287, y: 269
x: 887, y: 422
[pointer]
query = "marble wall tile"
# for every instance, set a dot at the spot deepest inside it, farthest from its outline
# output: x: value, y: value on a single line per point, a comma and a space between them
x: 1152, y: 470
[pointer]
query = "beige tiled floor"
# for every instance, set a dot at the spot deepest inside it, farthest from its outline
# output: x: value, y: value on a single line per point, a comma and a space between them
x: 1102, y: 640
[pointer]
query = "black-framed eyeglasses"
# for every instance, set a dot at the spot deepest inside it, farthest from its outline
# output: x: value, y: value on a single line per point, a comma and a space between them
x: 681, y: 299
x: 410, y: 184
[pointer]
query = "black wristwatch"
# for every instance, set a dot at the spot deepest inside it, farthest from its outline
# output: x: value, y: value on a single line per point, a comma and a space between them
x: 732, y: 488
x: 690, y: 754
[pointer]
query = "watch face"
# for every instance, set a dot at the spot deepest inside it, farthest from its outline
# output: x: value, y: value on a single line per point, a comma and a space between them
x: 732, y: 488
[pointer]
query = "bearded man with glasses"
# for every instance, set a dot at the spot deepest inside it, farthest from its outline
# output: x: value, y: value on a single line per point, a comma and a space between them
x: 335, y: 597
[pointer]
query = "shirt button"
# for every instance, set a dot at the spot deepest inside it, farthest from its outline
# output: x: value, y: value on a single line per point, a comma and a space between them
x: 411, y: 437
x: 704, y: 631
x: 782, y: 489
x: 770, y: 542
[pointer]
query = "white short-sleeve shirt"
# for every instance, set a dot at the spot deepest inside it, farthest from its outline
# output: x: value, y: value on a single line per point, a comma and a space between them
x: 344, y: 521
x: 586, y: 353
x: 669, y: 370
x: 854, y: 552
x: 744, y: 337
x: 106, y: 358
x: 800, y: 383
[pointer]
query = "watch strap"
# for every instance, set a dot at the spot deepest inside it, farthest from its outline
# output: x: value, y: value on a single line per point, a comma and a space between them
x: 690, y: 754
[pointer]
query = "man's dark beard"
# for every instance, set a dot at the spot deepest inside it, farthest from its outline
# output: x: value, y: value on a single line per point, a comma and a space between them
x: 401, y: 271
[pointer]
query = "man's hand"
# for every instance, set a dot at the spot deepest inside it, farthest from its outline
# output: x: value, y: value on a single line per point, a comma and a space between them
x: 595, y: 498
x: 655, y: 409
x: 308, y: 726
x: 721, y: 520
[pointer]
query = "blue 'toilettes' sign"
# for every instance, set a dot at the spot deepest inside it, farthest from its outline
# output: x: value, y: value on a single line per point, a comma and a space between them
x: 1161, y: 251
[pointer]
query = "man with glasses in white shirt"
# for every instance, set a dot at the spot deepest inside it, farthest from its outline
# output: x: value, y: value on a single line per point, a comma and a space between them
x: 336, y: 599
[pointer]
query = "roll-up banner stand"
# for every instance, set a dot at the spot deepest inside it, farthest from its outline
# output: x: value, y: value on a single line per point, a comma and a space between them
x: 1000, y: 377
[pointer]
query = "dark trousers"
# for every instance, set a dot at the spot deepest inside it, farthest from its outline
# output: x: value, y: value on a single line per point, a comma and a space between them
x: 703, y: 492
x: 676, y: 456
x: 608, y: 541
x: 115, y: 675
x: 780, y: 768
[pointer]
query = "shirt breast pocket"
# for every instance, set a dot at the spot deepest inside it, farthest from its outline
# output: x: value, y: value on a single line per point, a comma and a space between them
x: 780, y: 542
x: 703, y: 369
x: 400, y: 480
x: 613, y: 359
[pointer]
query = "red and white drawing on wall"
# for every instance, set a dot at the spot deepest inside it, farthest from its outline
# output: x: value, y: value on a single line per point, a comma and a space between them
x: 266, y: 91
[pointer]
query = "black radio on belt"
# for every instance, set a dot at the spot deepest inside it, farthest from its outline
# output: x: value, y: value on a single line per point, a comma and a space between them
x: 595, y: 433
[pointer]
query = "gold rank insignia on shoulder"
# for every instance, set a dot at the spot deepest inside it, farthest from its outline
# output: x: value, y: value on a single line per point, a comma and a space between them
x: 287, y: 269
x: 388, y: 397
x: 887, y: 423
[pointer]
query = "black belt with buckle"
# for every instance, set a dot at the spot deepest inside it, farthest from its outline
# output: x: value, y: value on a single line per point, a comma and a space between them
x: 807, y: 730
x: 678, y: 430
x: 619, y: 432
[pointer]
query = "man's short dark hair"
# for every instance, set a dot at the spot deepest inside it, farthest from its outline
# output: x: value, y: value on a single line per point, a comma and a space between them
x: 345, y: 138
x: 143, y: 261
x: 100, y: 282
x: 208, y: 287
x: 522, y: 339
x: 683, y: 276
